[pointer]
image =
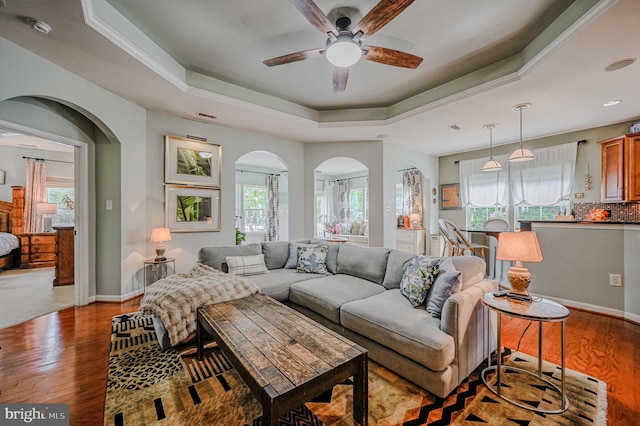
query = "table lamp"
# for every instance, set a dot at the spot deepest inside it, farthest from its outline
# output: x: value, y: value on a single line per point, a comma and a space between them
x: 415, y: 218
x: 160, y: 235
x: 46, y: 210
x: 519, y: 247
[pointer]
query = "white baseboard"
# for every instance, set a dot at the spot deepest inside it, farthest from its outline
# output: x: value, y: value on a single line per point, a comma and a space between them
x: 594, y: 308
x: 118, y: 299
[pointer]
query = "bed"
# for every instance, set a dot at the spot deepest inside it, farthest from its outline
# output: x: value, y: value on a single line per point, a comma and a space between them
x: 11, y: 226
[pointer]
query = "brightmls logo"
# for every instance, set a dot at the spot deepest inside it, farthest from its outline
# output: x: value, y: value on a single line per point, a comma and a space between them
x: 35, y: 414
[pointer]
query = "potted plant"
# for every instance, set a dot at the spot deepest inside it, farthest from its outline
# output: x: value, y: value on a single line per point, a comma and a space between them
x: 240, y: 236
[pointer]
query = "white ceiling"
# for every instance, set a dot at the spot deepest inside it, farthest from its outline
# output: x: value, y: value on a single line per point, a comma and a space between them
x: 480, y: 59
x: 17, y: 140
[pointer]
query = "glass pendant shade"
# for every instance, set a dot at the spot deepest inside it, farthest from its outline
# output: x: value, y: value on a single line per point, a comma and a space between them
x: 522, y: 153
x: 491, y: 165
x: 344, y: 52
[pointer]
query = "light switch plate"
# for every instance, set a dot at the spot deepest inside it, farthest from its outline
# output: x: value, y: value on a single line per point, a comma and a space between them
x: 109, y: 205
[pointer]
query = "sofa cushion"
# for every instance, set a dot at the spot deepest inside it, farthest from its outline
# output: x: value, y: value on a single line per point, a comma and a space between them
x: 389, y: 319
x: 277, y: 282
x: 276, y: 253
x: 473, y: 269
x: 325, y: 295
x: 246, y: 265
x: 312, y: 260
x: 417, y: 279
x: 395, y: 268
x: 216, y: 256
x: 332, y: 255
x: 445, y: 284
x: 369, y: 263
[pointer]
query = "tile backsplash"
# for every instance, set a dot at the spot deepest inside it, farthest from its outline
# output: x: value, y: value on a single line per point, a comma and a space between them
x: 620, y: 212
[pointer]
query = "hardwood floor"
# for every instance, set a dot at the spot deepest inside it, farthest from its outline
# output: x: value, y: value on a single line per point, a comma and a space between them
x: 63, y: 358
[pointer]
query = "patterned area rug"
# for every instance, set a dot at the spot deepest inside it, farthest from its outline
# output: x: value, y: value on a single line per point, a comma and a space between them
x: 148, y: 386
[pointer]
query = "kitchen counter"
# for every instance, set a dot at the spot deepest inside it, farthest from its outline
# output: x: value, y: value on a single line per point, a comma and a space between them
x: 526, y: 225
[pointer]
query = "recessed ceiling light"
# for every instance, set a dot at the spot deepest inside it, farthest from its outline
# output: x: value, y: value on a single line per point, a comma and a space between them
x: 39, y: 26
x: 454, y: 127
x: 622, y: 63
x: 612, y: 103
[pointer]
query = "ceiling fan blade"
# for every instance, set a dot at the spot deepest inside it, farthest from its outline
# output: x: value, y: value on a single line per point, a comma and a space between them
x: 393, y: 57
x: 381, y: 14
x: 340, y: 77
x: 314, y: 15
x: 294, y: 57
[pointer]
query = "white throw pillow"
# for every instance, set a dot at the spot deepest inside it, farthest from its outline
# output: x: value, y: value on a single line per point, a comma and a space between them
x: 247, y: 265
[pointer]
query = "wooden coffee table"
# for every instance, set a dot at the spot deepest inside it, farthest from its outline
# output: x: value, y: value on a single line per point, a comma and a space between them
x: 285, y: 358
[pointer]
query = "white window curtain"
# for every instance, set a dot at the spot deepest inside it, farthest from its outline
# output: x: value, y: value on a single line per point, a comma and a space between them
x: 344, y: 215
x: 35, y: 192
x: 484, y: 189
x: 412, y: 192
x: 273, y: 206
x: 547, y: 179
x: 328, y: 211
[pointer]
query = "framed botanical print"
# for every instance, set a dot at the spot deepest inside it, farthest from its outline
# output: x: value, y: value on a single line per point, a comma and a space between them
x: 192, y: 162
x: 450, y: 196
x: 192, y: 209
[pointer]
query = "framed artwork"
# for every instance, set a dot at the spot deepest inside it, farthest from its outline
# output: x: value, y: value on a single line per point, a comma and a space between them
x: 450, y: 196
x: 191, y: 162
x: 192, y: 208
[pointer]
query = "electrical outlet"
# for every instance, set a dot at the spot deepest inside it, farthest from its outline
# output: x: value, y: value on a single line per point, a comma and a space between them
x: 615, y: 280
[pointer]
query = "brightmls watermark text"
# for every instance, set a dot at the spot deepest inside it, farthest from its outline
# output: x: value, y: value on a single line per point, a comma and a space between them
x: 34, y: 414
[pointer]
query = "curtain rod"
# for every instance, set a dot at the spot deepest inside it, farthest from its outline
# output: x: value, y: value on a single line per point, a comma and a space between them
x: 406, y: 170
x: 259, y: 173
x: 46, y: 159
x: 350, y: 178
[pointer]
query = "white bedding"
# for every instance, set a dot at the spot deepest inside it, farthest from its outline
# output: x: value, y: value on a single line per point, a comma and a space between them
x: 8, y: 242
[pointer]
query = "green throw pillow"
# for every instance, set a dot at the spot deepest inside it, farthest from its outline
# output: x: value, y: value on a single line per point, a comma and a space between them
x: 417, y: 278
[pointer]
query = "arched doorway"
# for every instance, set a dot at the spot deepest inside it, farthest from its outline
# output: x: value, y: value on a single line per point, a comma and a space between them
x: 341, y: 186
x: 262, y: 202
x: 97, y: 239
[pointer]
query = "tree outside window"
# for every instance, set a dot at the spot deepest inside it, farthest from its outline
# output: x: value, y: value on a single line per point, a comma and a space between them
x: 64, y: 197
x: 254, y: 208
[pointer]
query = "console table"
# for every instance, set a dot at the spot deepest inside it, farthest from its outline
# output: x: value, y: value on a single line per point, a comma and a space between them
x: 540, y: 310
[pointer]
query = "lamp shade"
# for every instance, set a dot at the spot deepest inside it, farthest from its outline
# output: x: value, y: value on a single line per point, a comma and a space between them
x: 159, y: 235
x: 47, y: 208
x: 519, y: 246
x: 491, y: 166
x: 415, y: 217
x: 344, y: 52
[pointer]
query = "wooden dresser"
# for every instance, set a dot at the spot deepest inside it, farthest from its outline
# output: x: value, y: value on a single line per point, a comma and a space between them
x: 64, y: 255
x: 411, y: 240
x: 38, y: 249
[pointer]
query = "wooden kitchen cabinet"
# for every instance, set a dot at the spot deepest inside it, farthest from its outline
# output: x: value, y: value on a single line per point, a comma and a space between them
x: 65, y: 255
x: 38, y: 249
x: 620, y: 169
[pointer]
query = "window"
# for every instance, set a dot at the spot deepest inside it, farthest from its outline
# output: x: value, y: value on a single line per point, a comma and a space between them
x: 399, y: 199
x: 540, y: 212
x: 62, y: 192
x: 251, y: 207
x: 477, y: 216
x: 358, y: 204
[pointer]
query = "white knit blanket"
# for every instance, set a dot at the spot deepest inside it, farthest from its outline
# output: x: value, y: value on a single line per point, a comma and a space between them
x: 174, y: 299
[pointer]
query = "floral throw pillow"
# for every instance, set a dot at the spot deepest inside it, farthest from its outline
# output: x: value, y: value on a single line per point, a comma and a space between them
x: 312, y: 260
x: 417, y: 279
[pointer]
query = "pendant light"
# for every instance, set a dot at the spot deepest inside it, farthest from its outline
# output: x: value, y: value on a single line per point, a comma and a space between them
x: 492, y: 165
x: 522, y: 153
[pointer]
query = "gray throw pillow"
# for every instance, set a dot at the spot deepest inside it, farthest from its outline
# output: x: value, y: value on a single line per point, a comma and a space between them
x: 446, y: 284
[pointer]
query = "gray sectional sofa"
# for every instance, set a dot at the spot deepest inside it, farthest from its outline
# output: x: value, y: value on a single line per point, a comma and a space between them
x: 360, y: 298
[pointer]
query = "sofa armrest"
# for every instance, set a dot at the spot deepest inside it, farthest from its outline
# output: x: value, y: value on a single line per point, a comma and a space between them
x: 460, y: 307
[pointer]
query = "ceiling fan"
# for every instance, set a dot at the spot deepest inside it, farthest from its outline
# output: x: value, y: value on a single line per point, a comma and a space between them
x: 344, y: 43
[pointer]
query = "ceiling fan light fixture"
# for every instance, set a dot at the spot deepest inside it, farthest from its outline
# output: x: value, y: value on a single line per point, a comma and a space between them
x: 344, y: 52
